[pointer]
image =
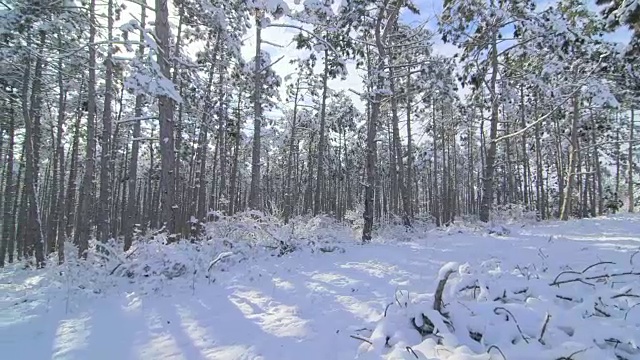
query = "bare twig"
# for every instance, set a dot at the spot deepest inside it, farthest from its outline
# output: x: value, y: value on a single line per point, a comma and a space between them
x: 121, y: 263
x: 564, y: 298
x: 570, y: 357
x: 544, y: 328
x: 361, y: 339
x: 601, y: 312
x: 387, y: 308
x: 514, y: 320
x: 556, y: 282
x: 597, y: 264
x: 497, y: 348
x: 627, y: 313
x: 625, y: 294
x: 632, y: 255
x: 597, y: 277
x: 219, y: 258
x: 272, y: 64
x: 437, y: 302
x: 409, y: 349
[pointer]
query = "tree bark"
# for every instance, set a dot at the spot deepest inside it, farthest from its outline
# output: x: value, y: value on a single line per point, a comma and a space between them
x: 487, y: 186
x: 166, y: 108
x: 571, y: 166
x: 8, y: 225
x: 318, y: 202
x: 630, y: 157
x: 255, y: 201
x: 103, y: 220
x: 85, y: 201
x: 132, y: 208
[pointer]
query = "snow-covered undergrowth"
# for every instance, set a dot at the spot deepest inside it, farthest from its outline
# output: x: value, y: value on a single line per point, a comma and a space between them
x: 218, y: 245
x: 492, y: 311
x: 251, y: 287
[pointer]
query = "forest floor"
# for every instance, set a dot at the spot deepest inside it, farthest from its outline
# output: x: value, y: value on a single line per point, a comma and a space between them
x: 299, y: 306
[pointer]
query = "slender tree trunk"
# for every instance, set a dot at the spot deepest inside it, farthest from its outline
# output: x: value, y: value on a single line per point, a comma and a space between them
x: 409, y: 146
x: 288, y: 207
x: 85, y: 201
x: 222, y: 131
x: 571, y: 166
x: 618, y: 152
x: 487, y: 188
x: 525, y: 158
x: 32, y: 231
x: 56, y: 236
x: 255, y: 201
x: 369, y: 192
x: 233, y: 182
x: 318, y: 202
x: 166, y: 107
x: 404, y: 194
x: 380, y: 38
x: 630, y: 157
x: 203, y: 140
x: 539, y: 179
x: 132, y: 208
x: 8, y: 225
x: 72, y: 186
x: 596, y: 162
x: 104, y: 203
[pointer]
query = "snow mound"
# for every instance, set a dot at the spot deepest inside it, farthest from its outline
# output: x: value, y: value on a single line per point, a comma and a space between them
x: 491, y: 313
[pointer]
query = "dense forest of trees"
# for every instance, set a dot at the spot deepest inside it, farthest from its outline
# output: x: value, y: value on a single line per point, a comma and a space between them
x: 118, y: 117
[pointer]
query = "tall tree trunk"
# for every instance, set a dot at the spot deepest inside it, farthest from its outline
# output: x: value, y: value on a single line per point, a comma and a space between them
x: 596, y: 162
x: 166, y: 107
x: 203, y: 140
x: 397, y: 146
x: 132, y: 208
x: 33, y: 240
x: 55, y: 236
x: 85, y: 201
x: 255, y: 201
x: 288, y: 205
x: 525, y: 158
x: 571, y: 166
x: 72, y: 186
x: 630, y: 157
x: 436, y: 209
x: 222, y: 130
x: 104, y: 203
x: 233, y: 182
x: 180, y: 170
x: 318, y: 202
x: 617, y: 153
x: 380, y: 39
x: 409, y: 146
x: 8, y: 225
x: 539, y: 179
x: 487, y: 186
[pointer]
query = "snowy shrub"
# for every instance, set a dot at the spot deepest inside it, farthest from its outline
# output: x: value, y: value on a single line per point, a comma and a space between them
x: 252, y: 232
x: 152, y: 261
x: 355, y: 219
x: 398, y: 232
x: 513, y: 213
x: 320, y: 233
x: 491, y: 313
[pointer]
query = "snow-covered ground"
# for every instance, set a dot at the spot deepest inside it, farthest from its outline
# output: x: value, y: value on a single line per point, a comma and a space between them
x: 300, y: 306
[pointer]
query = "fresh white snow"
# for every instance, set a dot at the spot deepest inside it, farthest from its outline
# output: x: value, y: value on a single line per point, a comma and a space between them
x: 299, y: 306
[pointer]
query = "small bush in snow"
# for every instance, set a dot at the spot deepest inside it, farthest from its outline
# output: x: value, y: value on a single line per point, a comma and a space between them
x: 490, y: 313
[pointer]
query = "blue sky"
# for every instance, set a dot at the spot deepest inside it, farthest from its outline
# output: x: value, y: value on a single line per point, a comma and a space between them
x: 429, y: 9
